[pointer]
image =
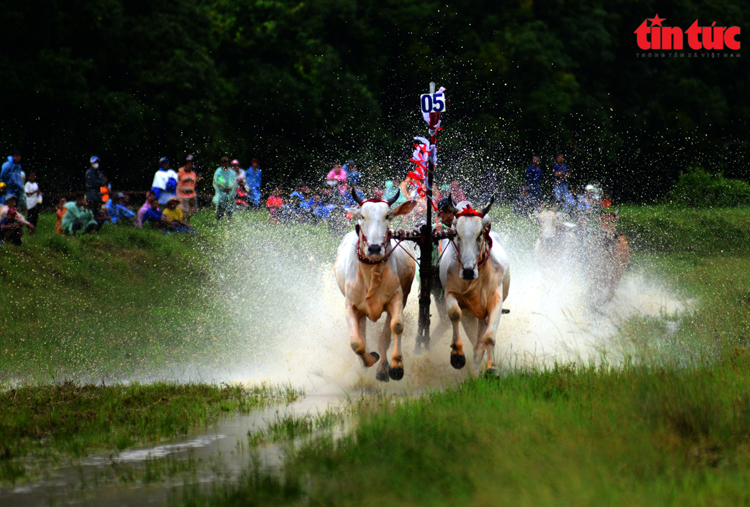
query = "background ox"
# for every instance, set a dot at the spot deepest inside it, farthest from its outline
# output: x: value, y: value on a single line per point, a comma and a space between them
x: 476, y: 275
x: 375, y: 276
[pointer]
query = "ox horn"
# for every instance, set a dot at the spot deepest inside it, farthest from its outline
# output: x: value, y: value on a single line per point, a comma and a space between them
x: 356, y: 196
x: 489, y: 206
x: 451, y: 204
x: 394, y: 198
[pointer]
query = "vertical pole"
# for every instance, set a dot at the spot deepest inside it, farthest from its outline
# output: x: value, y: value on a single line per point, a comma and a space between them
x: 425, y: 270
x: 425, y: 259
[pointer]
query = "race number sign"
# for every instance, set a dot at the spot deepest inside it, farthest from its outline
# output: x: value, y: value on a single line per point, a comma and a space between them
x: 433, y: 102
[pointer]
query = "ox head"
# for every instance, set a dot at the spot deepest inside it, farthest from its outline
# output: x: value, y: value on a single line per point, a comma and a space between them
x: 472, y: 235
x: 548, y: 220
x: 372, y: 217
x: 607, y: 221
x: 551, y: 222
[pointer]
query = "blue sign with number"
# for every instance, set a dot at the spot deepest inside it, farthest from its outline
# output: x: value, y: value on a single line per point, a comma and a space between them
x: 433, y: 103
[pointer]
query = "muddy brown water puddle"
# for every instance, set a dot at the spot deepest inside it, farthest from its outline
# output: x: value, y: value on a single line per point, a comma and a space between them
x: 153, y: 475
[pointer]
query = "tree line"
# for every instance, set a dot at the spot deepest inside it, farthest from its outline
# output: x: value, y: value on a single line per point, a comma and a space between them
x: 303, y: 84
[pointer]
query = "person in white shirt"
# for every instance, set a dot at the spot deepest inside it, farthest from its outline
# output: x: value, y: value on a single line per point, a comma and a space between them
x: 33, y: 199
x: 165, y: 182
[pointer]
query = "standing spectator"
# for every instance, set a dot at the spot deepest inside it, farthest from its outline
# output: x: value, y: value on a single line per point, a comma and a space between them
x: 253, y: 178
x: 273, y: 204
x: 146, y: 206
x: 12, y: 176
x: 3, y: 193
x: 165, y: 182
x: 534, y: 179
x: 78, y: 217
x: 562, y: 175
x: 94, y: 181
x: 33, y: 199
x: 186, y: 180
x: 225, y: 187
x: 60, y: 212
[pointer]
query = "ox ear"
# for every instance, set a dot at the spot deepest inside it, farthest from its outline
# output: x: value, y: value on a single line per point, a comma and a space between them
x: 403, y: 209
x: 355, y: 211
x: 486, y: 222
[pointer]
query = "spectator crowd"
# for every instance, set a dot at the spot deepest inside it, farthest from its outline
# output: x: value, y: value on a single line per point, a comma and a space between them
x: 172, y: 199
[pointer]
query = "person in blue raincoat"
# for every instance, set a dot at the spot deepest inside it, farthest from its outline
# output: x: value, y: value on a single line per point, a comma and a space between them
x: 12, y: 176
x: 225, y: 188
x: 253, y: 178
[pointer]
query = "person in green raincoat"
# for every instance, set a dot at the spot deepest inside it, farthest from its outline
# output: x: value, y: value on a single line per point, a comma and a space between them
x: 225, y: 188
x: 78, y: 217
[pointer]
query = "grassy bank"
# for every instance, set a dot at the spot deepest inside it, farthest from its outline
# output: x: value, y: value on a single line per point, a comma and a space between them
x: 55, y: 423
x: 671, y: 427
x: 633, y: 436
x: 127, y: 303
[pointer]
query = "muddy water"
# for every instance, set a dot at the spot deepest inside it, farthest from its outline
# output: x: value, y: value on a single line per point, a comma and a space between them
x: 204, y: 458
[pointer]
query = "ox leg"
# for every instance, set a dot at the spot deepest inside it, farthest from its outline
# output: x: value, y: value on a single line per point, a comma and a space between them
x: 480, y: 330
x: 490, y: 332
x: 383, y: 344
x: 396, y: 371
x: 358, y: 342
x: 458, y: 359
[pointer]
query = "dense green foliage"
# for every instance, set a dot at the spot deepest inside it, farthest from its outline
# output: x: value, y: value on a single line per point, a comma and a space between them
x: 303, y: 83
x: 699, y: 189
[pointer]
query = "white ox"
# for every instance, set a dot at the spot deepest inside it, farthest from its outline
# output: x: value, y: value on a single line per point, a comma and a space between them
x: 375, y: 276
x: 476, y: 275
x: 555, y: 240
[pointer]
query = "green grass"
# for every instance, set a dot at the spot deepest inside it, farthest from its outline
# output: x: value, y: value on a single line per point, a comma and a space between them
x: 670, y: 427
x: 57, y: 422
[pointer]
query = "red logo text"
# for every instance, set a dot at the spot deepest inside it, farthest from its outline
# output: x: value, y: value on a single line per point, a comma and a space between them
x: 656, y: 36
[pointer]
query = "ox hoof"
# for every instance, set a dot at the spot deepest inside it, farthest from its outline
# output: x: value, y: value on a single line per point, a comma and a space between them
x: 382, y: 376
x: 491, y: 373
x: 458, y: 361
x: 376, y: 356
x: 396, y: 373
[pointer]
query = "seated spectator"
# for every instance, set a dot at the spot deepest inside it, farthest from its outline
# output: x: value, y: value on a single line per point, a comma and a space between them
x: 101, y: 216
x: 349, y: 200
x: 146, y: 206
x: 78, y: 217
x: 524, y: 204
x: 273, y: 204
x: 3, y: 192
x: 117, y: 211
x: 60, y: 212
x: 456, y: 193
x: 12, y: 202
x: 606, y: 202
x: 174, y: 216
x: 153, y: 215
x: 11, y: 227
